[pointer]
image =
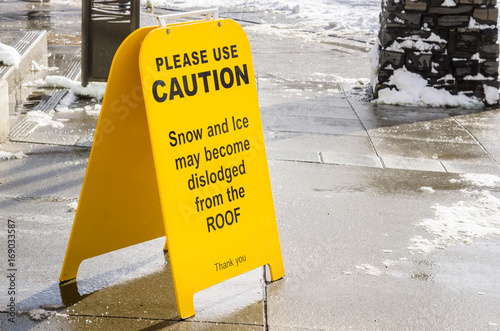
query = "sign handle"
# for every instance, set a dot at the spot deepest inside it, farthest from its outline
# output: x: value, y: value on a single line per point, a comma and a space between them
x: 212, y: 13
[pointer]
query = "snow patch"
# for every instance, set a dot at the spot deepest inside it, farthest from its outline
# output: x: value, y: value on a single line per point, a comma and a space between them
x: 43, y: 119
x: 477, y: 77
x: 9, y: 55
x: 427, y: 189
x: 448, y: 3
x: 93, y: 110
x: 373, y: 56
x: 463, y: 221
x: 473, y: 24
x: 8, y: 155
x: 420, y: 245
x: 72, y: 206
x: 491, y: 94
x: 369, y: 269
x: 39, y: 67
x: 482, y: 180
x: 39, y: 314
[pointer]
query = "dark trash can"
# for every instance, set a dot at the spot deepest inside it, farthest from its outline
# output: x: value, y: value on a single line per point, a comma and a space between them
x: 105, y: 24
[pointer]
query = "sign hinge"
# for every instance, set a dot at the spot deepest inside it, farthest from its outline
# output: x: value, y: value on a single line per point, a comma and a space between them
x: 210, y: 14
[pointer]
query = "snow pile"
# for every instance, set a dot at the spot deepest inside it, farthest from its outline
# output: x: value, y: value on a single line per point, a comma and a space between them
x: 9, y: 55
x: 8, y: 155
x: 463, y: 221
x: 93, y: 90
x: 412, y: 90
x: 43, y: 119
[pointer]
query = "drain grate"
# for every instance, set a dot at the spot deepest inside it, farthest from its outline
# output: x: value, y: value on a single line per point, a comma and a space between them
x: 26, y: 126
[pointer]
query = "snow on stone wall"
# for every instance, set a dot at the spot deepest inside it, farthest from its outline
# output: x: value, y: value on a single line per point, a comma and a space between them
x: 452, y: 44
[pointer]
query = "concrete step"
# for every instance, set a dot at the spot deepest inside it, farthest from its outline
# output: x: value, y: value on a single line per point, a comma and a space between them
x: 32, y: 46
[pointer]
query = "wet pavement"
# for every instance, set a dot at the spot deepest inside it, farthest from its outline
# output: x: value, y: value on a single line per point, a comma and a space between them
x: 354, y: 185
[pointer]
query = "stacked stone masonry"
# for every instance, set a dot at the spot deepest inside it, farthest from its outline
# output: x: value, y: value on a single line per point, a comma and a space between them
x: 450, y: 43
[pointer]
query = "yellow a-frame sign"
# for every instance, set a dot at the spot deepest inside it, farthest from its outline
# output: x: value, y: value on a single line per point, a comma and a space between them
x: 179, y: 151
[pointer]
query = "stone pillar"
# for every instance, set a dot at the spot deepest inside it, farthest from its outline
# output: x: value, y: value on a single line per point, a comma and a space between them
x: 450, y: 43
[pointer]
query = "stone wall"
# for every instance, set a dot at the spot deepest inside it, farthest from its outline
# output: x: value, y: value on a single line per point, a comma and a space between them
x: 450, y: 43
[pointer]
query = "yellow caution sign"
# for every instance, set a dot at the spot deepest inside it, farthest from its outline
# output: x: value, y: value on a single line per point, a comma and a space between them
x: 201, y: 176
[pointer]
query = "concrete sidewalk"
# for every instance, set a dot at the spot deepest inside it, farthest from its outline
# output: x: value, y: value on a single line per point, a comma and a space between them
x: 353, y: 183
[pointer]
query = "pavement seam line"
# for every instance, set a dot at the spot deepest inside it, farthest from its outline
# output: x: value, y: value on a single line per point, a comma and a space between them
x: 477, y: 141
x: 157, y: 319
x: 442, y: 165
x: 364, y: 127
x: 265, y: 317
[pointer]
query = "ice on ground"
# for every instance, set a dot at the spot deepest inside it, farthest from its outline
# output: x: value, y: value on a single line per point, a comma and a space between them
x: 93, y: 90
x: 9, y: 55
x: 9, y: 155
x: 412, y: 90
x: 369, y: 269
x: 43, y: 119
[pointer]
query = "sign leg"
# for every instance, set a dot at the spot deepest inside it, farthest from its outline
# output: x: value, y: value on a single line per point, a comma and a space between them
x: 185, y: 305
